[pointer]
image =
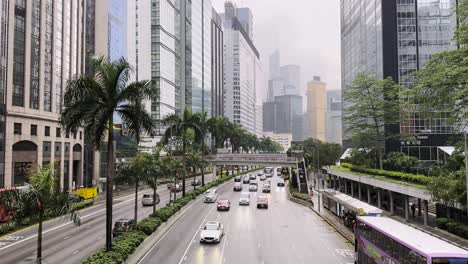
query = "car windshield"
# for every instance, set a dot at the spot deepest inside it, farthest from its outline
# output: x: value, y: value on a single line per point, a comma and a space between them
x: 147, y: 196
x: 120, y: 224
x: 262, y: 199
x: 253, y: 183
x: 211, y: 227
x: 223, y: 201
x: 266, y: 186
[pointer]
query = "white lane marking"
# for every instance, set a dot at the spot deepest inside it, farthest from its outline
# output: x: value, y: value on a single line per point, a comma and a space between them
x: 65, y: 224
x: 195, y: 234
x: 66, y: 237
x: 75, y: 252
x: 224, y: 242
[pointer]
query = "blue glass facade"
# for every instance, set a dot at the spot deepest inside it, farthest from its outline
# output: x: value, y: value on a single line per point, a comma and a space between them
x: 117, y: 29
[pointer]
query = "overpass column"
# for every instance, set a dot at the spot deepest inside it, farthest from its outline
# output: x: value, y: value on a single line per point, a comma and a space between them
x: 368, y: 194
x: 406, y: 208
x: 379, y: 198
x: 352, y: 188
x: 345, y: 183
x: 392, y: 209
x: 426, y: 211
x: 419, y: 206
x: 214, y: 171
x: 359, y: 190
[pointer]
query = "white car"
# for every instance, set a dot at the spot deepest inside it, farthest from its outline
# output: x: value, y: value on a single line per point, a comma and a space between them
x: 212, y: 232
x: 244, y: 198
x: 211, y: 196
x: 148, y: 199
x: 263, y: 177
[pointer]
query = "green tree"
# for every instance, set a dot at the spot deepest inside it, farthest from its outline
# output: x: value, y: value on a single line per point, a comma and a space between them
x: 135, y: 172
x: 40, y: 201
x: 172, y: 167
x: 399, y: 161
x: 374, y: 104
x: 195, y: 161
x: 318, y: 153
x: 178, y: 126
x: 92, y: 101
x: 155, y: 169
x: 219, y: 129
x: 203, y: 126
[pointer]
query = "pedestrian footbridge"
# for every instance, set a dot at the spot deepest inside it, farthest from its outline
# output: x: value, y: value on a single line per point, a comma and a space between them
x: 265, y: 160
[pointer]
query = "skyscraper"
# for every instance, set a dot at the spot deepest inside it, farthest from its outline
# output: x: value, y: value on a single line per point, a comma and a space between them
x: 333, y: 117
x: 291, y: 77
x: 41, y: 48
x: 242, y: 72
x: 217, y: 72
x: 316, y: 108
x: 182, y: 75
x: 289, y: 115
x: 394, y: 39
x: 244, y: 14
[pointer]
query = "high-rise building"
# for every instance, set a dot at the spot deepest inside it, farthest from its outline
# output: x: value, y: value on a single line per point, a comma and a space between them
x: 316, y: 108
x: 41, y: 48
x: 182, y: 75
x: 288, y: 115
x: 395, y: 39
x: 284, y: 139
x: 333, y: 117
x: 291, y: 76
x: 217, y: 73
x: 275, y: 64
x: 269, y: 116
x: 242, y: 71
x: 244, y: 14
x: 106, y: 35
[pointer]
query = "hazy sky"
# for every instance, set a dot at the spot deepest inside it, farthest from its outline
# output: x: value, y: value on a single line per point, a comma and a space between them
x: 307, y: 33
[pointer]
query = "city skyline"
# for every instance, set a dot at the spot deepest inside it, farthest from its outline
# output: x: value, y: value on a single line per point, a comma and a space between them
x: 274, y: 29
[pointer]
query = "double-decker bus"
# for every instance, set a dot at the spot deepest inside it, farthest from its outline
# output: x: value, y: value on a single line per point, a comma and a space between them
x: 384, y: 240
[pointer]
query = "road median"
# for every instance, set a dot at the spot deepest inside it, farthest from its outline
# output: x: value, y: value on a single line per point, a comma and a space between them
x: 126, y: 248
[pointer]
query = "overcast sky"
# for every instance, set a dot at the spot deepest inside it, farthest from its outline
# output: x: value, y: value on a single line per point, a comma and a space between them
x: 307, y: 33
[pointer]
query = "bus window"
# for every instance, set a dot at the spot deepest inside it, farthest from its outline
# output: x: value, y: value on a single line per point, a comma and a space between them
x: 449, y: 261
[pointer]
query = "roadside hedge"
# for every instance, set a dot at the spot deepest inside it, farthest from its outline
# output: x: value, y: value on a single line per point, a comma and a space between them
x: 125, y: 245
x: 401, y: 176
x: 453, y: 227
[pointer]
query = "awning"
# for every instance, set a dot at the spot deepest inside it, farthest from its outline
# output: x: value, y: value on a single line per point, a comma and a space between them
x: 354, y: 204
x: 449, y: 150
x: 346, y: 154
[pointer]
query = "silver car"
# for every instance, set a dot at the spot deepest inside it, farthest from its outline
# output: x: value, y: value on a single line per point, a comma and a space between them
x: 149, y: 201
x: 253, y: 187
x: 211, y: 196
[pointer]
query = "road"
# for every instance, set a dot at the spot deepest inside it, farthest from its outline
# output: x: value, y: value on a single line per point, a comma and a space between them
x: 284, y: 233
x: 63, y: 242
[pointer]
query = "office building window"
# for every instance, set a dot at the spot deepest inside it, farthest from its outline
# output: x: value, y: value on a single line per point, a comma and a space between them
x: 33, y: 130
x: 58, y: 132
x: 35, y: 54
x: 18, y: 54
x: 81, y: 135
x: 47, y: 131
x: 17, y: 128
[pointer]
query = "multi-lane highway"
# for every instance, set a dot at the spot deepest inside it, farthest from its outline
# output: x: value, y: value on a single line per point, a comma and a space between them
x: 63, y: 242
x: 283, y: 233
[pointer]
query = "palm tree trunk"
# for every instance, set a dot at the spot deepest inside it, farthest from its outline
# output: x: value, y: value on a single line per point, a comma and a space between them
x: 136, y: 201
x: 184, y: 172
x: 154, y: 197
x: 203, y: 162
x: 39, y: 239
x: 109, y: 183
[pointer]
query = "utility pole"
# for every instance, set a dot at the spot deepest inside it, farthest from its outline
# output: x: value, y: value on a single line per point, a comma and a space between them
x: 466, y: 165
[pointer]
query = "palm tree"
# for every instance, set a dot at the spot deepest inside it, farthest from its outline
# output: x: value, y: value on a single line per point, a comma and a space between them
x: 171, y: 167
x: 219, y: 128
x: 39, y: 199
x: 179, y: 125
x: 236, y: 134
x: 92, y: 101
x: 202, y: 119
x: 195, y: 160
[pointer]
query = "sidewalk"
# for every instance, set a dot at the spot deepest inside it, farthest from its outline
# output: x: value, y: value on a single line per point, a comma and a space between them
x: 332, y: 219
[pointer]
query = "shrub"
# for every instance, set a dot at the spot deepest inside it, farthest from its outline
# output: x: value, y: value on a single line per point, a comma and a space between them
x: 442, y: 223
x: 8, y: 227
x: 82, y: 204
x: 402, y: 176
x: 149, y: 225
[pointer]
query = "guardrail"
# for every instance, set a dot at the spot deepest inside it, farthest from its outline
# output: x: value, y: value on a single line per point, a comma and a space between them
x: 251, y: 157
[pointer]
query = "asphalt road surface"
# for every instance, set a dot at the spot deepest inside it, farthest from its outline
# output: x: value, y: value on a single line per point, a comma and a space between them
x: 283, y: 233
x: 64, y: 242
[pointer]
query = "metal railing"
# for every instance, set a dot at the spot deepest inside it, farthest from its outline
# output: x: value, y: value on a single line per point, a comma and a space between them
x: 251, y: 157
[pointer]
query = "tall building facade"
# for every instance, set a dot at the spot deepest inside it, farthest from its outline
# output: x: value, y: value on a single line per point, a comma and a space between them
x: 316, y: 108
x: 41, y: 48
x: 242, y: 72
x: 217, y: 72
x: 395, y: 39
x: 333, y: 117
x: 106, y: 33
x: 291, y: 77
x: 174, y: 51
